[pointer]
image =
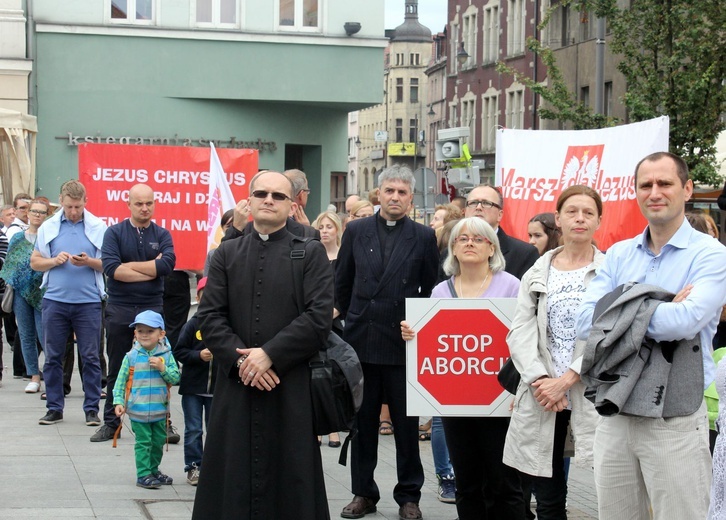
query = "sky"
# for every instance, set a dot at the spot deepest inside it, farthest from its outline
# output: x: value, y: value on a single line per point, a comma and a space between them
x: 431, y: 13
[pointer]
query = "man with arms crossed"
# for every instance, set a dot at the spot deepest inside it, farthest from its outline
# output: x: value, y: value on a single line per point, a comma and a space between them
x: 661, y: 464
x: 136, y: 255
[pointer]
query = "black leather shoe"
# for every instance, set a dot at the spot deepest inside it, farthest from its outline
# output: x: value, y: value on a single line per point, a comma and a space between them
x: 104, y: 433
x: 409, y: 511
x: 359, y: 507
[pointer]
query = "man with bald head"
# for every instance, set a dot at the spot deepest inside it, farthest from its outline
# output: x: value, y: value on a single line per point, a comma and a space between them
x: 136, y: 255
x: 486, y: 202
x: 261, y: 457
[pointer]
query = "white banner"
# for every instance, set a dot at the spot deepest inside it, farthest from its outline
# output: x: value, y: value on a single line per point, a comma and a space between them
x: 534, y: 166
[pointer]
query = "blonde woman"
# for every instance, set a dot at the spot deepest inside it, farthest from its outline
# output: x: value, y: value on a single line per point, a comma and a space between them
x: 330, y: 227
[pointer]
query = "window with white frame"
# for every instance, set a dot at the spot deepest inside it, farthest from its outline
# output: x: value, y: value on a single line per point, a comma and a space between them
x: 469, y: 33
x: 399, y: 90
x: 454, y: 42
x: 468, y: 116
x: 399, y: 59
x: 412, y: 129
x: 413, y: 91
x: 491, y: 33
x: 608, y: 94
x: 490, y: 120
x: 217, y: 13
x: 515, y: 108
x: 132, y: 11
x: 415, y: 59
x: 299, y: 15
x: 515, y: 27
x: 453, y: 113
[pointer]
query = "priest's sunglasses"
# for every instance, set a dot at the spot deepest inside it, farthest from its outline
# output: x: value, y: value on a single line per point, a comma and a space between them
x: 276, y: 195
x: 484, y: 204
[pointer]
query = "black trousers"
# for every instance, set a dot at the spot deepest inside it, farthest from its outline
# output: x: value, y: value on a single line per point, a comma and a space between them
x: 177, y: 302
x: 390, y: 379
x: 552, y: 492
x: 486, y: 489
x: 119, y: 339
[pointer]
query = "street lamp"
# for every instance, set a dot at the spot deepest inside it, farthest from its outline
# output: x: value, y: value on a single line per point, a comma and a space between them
x: 357, y: 141
x: 462, y: 55
x: 431, y: 112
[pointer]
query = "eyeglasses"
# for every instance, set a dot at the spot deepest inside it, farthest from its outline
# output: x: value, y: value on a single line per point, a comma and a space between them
x: 477, y: 239
x: 38, y: 212
x: 276, y: 195
x: 306, y: 190
x: 484, y: 204
x: 22, y: 208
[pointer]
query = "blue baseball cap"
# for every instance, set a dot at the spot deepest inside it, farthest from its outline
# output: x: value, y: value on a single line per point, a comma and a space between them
x: 149, y: 318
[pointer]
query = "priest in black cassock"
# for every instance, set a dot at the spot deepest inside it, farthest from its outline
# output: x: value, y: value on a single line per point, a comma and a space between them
x: 261, y: 458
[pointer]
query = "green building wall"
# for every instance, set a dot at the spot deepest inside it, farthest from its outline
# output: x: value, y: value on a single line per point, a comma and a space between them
x: 101, y: 86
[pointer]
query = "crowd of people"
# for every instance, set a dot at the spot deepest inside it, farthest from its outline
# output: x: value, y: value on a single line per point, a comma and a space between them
x: 614, y: 349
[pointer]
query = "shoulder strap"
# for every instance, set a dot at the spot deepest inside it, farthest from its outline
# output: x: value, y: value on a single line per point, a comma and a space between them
x: 452, y: 289
x: 299, y: 246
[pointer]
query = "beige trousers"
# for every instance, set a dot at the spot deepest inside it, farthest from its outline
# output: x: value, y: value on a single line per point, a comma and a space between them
x: 658, y: 465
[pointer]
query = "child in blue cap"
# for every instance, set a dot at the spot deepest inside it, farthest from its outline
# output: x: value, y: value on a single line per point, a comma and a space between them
x: 142, y: 391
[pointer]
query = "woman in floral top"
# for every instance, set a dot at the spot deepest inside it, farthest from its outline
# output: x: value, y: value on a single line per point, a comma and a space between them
x: 28, y: 296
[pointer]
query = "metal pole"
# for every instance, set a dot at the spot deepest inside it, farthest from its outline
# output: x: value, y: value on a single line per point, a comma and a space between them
x: 600, y: 66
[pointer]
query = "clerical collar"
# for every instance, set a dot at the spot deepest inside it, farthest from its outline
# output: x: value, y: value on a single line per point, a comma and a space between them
x: 389, y: 223
x: 275, y: 235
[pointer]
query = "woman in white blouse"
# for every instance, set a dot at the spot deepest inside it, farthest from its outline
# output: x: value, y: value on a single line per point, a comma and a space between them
x: 543, y: 346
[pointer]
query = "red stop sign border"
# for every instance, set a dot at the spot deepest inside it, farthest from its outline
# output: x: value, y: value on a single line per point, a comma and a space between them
x: 419, y: 400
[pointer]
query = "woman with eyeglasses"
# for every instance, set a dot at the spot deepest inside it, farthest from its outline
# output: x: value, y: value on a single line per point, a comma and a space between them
x: 543, y: 346
x: 28, y: 296
x: 543, y: 232
x: 485, y: 487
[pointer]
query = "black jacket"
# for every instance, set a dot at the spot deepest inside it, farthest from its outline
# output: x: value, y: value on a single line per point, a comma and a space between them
x: 371, y: 299
x: 197, y: 376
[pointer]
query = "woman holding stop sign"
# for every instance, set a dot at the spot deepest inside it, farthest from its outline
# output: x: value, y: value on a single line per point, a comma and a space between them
x: 543, y: 346
x: 485, y: 487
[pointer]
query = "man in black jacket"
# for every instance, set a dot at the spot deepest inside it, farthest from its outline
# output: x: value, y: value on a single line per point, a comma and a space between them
x: 487, y: 202
x: 383, y: 260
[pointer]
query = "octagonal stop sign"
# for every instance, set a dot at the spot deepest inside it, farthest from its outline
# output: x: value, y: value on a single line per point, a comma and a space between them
x: 460, y: 353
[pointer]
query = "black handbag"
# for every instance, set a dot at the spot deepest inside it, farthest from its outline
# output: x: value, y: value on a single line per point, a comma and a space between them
x: 509, y: 377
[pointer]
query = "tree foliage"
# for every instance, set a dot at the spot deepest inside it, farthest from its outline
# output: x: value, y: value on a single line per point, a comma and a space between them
x: 673, y: 56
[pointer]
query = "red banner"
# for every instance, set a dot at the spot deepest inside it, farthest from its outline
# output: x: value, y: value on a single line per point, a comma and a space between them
x: 179, y: 176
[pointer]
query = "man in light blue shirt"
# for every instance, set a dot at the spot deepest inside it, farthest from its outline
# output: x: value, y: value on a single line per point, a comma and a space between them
x: 68, y: 252
x: 663, y: 464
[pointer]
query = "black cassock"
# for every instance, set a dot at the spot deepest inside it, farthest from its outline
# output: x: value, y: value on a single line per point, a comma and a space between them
x: 261, y: 456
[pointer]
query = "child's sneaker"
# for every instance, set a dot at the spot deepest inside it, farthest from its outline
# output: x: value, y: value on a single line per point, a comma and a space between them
x: 148, y: 482
x: 193, y: 476
x: 164, y: 480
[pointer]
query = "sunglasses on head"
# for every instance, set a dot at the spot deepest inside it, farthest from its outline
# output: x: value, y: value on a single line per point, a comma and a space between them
x: 276, y: 195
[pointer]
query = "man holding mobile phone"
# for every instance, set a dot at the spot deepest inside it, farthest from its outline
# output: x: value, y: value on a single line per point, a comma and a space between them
x: 68, y: 252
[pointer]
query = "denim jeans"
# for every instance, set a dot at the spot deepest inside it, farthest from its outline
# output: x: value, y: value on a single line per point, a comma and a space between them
x: 85, y: 320
x: 30, y: 329
x: 193, y: 407
x: 442, y: 464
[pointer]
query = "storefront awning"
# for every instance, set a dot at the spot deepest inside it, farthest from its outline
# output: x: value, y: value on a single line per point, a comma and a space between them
x: 17, y: 153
